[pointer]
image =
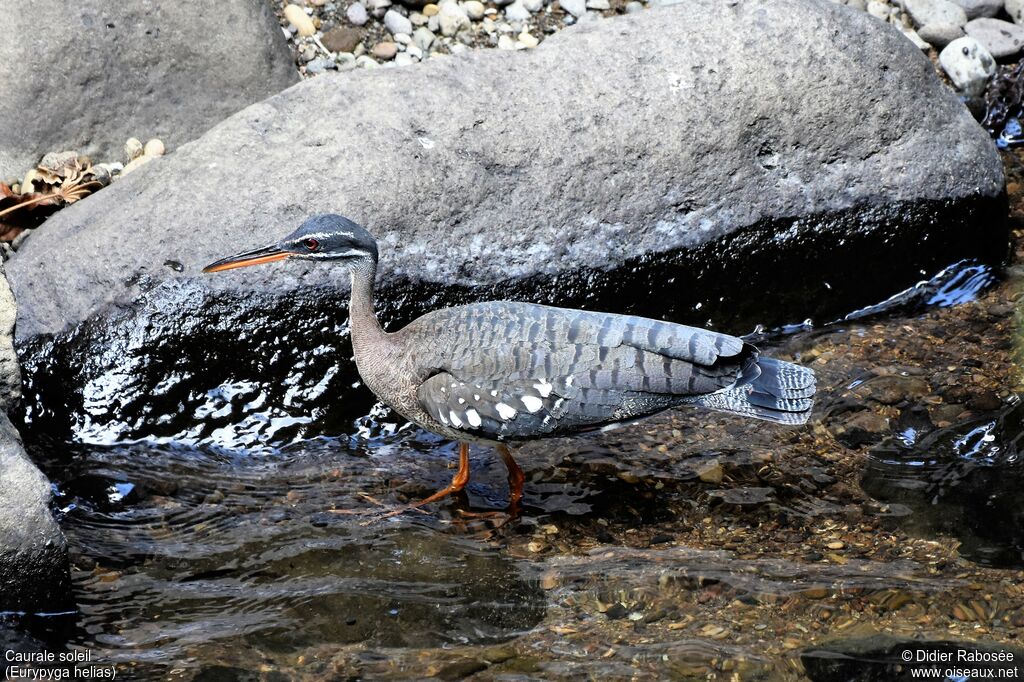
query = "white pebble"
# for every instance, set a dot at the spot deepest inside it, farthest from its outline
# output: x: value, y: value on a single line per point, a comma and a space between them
x: 298, y: 18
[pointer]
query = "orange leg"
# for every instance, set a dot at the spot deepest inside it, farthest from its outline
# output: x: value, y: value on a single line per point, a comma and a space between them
x: 516, y: 478
x: 459, y: 480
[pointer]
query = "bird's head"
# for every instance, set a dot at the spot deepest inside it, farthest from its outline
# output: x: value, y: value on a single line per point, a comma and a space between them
x: 327, y: 237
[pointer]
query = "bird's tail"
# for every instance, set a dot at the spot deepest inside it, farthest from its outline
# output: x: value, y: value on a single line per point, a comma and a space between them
x: 770, y: 389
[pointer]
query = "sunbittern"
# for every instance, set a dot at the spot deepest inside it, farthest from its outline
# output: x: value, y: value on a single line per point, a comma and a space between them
x: 501, y: 372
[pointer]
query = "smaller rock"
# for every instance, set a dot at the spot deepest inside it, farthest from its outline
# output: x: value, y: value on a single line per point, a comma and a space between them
x: 860, y: 5
x: 1015, y: 8
x: 452, y: 19
x: 913, y: 37
x: 319, y: 65
x: 533, y: 6
x: 980, y: 8
x: 345, y: 61
x: 357, y: 14
x: 968, y: 64
x: 940, y: 35
x: 414, y: 51
x: 505, y: 42
x: 528, y: 40
x: 879, y: 10
x: 423, y: 38
x: 366, y: 62
x: 297, y: 17
x: 474, y: 9
x: 576, y: 8
x: 403, y: 39
x: 342, y: 39
x: 1000, y: 38
x: 599, y: 5
x: 133, y: 148
x: 397, y: 23
x: 711, y: 472
x: 430, y: 10
x: 517, y: 12
x: 403, y: 59
x: 378, y: 8
x: 924, y: 12
x: 384, y: 51
x: 632, y: 7
x: 154, y: 147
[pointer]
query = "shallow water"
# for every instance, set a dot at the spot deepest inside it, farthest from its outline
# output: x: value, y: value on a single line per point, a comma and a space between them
x: 687, y: 546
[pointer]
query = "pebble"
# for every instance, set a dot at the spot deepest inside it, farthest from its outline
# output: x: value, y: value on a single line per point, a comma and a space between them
x: 342, y: 39
x: 345, y: 61
x: 1015, y: 8
x: 378, y: 7
x: 533, y: 6
x: 403, y: 38
x: 980, y: 8
x: 396, y: 23
x: 1000, y: 38
x: 633, y: 7
x: 528, y: 40
x: 133, y: 148
x: 599, y: 5
x: 576, y: 8
x: 940, y: 35
x: 423, y: 38
x: 418, y: 19
x: 517, y: 12
x: 430, y: 10
x: 505, y: 42
x: 879, y: 10
x: 452, y: 19
x: 298, y: 18
x: 357, y: 14
x: 154, y: 148
x: 968, y: 64
x: 403, y: 59
x: 366, y: 62
x: 414, y: 51
x: 924, y: 12
x: 384, y: 51
x: 319, y: 65
x: 474, y: 9
x: 913, y: 37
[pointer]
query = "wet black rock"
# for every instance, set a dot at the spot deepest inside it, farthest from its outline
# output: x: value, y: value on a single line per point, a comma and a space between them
x: 963, y: 480
x: 633, y: 160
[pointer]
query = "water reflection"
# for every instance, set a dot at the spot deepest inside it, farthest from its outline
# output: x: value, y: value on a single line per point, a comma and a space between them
x: 964, y: 480
x: 178, y: 552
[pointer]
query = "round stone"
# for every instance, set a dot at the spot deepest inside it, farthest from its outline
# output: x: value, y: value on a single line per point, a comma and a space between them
x: 384, y: 51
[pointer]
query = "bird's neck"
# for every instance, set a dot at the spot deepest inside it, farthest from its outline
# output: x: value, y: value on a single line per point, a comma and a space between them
x: 366, y: 331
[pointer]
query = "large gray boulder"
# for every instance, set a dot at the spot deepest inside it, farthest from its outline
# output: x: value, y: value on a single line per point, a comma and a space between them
x: 34, y: 574
x: 89, y: 74
x: 643, y: 135
x: 739, y: 162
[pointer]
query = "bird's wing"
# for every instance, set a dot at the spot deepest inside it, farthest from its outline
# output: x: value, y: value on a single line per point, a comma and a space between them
x: 516, y: 370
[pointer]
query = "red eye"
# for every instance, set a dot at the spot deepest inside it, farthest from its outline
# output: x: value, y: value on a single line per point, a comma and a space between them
x: 311, y: 244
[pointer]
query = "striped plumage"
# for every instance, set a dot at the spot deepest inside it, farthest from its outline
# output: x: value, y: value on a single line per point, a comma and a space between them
x: 505, y: 372
x: 516, y: 371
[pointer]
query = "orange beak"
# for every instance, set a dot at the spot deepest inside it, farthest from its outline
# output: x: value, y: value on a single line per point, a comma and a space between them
x: 267, y: 254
